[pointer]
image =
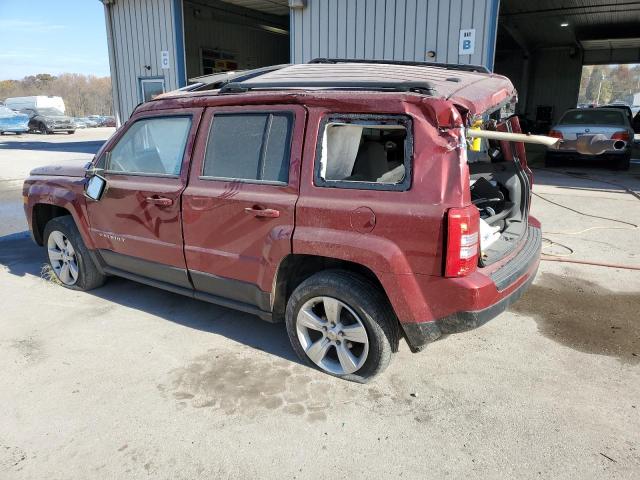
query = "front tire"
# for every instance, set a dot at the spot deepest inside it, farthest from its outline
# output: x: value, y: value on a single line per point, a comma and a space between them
x: 68, y: 256
x: 341, y: 324
x: 71, y: 132
x: 44, y: 130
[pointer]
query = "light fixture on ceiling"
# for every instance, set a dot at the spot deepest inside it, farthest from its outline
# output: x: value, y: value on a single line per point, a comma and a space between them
x: 564, y: 24
x: 279, y: 31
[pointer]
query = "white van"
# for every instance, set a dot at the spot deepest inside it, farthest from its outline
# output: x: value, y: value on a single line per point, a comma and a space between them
x: 34, y: 102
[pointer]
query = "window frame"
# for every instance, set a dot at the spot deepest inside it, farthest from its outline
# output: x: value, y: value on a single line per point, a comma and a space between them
x: 291, y: 127
x: 366, y: 119
x: 143, y: 80
x: 107, y: 154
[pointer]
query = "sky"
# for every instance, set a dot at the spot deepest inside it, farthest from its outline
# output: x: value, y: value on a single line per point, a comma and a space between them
x: 52, y: 36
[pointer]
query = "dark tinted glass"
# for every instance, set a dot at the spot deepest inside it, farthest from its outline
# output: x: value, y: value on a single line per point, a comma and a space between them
x: 276, y: 156
x: 592, y: 116
x: 249, y: 147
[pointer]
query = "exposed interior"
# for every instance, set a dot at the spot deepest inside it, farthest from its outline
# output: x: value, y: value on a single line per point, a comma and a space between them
x: 221, y: 36
x: 500, y: 189
x: 363, y: 153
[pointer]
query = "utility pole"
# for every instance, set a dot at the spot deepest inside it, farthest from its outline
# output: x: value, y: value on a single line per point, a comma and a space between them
x: 599, y: 89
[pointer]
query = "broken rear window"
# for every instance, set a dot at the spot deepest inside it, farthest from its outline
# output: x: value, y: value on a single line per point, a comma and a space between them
x: 365, y: 152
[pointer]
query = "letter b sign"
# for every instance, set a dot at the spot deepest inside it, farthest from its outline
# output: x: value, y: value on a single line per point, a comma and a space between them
x: 467, y: 42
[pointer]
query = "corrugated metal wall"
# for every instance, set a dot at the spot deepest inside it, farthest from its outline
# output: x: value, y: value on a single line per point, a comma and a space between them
x: 555, y: 80
x: 140, y: 30
x: 393, y: 29
x: 618, y: 55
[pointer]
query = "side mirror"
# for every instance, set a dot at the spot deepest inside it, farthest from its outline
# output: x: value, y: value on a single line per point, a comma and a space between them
x: 92, y: 172
x: 95, y: 187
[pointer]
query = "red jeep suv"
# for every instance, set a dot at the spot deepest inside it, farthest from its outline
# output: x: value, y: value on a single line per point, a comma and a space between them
x: 342, y: 197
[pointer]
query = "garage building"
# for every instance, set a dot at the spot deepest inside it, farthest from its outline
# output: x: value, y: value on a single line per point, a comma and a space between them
x: 159, y: 45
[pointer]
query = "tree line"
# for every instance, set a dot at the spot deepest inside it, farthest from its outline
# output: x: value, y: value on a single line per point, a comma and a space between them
x: 82, y: 94
x: 601, y: 84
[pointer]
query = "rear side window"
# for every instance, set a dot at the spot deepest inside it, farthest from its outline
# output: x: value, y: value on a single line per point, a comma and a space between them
x: 592, y: 117
x: 250, y: 147
x: 365, y: 152
x: 152, y: 146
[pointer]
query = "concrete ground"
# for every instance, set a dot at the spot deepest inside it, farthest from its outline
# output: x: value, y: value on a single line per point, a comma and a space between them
x: 131, y: 382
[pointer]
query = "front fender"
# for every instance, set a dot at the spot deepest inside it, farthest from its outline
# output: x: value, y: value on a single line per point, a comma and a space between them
x: 63, y: 192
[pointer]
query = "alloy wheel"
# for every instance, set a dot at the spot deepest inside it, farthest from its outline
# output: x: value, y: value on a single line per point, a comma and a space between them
x: 62, y: 257
x: 332, y: 335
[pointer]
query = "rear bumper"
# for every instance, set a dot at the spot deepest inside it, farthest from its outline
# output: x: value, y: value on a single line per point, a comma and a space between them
x: 488, y: 295
x: 572, y: 155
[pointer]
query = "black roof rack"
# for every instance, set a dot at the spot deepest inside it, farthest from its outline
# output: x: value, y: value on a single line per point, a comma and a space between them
x: 448, y: 66
x: 218, y: 80
x: 424, y: 88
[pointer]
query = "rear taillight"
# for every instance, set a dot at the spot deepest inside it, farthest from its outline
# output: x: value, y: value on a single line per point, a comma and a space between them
x: 463, y: 225
x: 622, y: 135
x: 555, y: 134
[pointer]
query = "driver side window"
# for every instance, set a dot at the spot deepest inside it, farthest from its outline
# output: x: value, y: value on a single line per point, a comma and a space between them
x: 152, y: 146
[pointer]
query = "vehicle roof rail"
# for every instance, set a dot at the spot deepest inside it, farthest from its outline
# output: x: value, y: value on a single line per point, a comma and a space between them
x: 220, y: 79
x: 448, y: 66
x: 424, y: 88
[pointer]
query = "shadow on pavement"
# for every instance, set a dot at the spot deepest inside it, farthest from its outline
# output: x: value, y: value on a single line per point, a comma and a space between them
x: 88, y: 146
x: 21, y: 256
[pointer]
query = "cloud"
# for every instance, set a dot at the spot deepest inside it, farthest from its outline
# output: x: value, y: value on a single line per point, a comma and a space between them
x: 15, y: 24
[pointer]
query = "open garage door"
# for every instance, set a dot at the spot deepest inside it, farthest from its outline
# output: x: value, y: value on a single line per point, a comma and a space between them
x: 234, y: 35
x: 542, y: 46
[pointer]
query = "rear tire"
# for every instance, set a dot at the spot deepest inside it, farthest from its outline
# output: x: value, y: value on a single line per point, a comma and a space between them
x: 550, y: 162
x: 623, y: 163
x: 356, y: 341
x: 68, y: 256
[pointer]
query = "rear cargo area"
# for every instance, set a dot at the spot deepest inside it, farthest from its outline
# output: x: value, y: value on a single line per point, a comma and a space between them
x: 500, y: 189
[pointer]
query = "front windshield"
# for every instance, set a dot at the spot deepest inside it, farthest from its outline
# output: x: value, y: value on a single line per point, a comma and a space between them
x: 49, y: 111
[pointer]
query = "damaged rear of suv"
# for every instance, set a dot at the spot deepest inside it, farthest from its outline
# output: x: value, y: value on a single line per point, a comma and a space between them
x: 353, y: 200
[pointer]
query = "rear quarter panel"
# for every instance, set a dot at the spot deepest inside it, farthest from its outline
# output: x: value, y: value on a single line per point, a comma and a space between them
x: 407, y: 235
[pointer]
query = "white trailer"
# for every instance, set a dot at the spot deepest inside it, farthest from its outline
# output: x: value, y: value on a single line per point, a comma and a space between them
x: 34, y: 102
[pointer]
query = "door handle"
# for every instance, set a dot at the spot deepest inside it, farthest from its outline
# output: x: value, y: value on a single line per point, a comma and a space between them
x: 160, y: 201
x: 262, y: 212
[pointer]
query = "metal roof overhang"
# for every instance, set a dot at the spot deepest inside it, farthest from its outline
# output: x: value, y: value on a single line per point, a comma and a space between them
x: 588, y: 24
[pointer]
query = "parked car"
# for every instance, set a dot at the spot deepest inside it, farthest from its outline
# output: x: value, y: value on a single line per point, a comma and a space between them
x: 35, y: 102
x: 109, y: 121
x: 613, y: 123
x: 338, y: 203
x: 11, y: 121
x: 79, y: 122
x: 98, y: 120
x: 49, y: 120
x: 623, y: 107
x: 91, y: 121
